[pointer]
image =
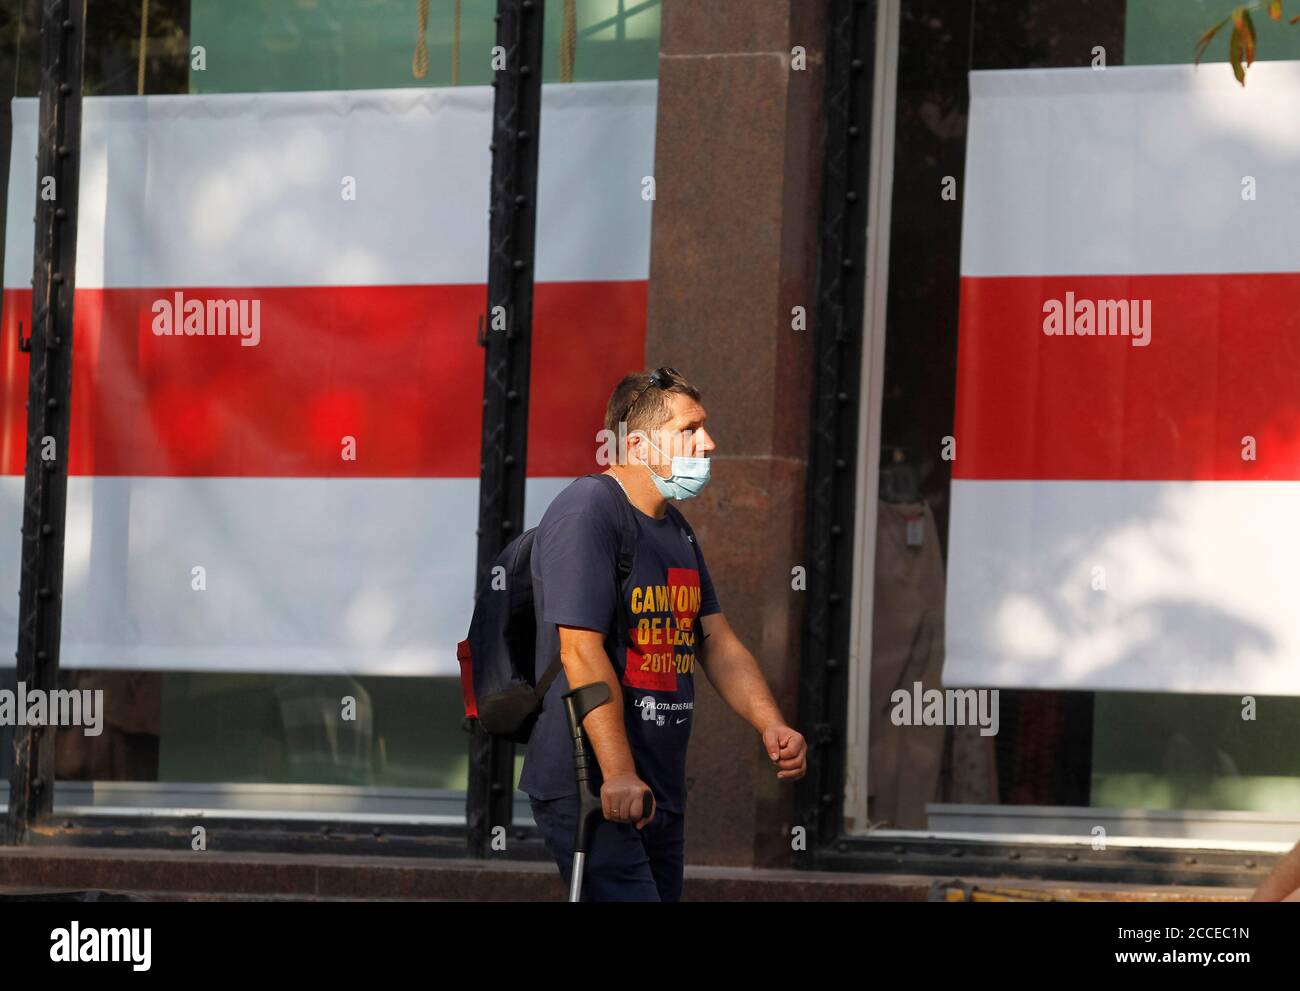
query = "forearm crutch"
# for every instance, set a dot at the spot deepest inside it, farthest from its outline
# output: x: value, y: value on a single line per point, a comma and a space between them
x: 577, y: 704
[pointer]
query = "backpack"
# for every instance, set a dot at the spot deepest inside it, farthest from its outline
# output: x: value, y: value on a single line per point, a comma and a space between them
x: 498, y: 658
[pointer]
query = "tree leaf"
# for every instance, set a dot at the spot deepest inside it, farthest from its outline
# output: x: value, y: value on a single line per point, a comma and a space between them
x: 1248, y: 36
x: 1275, y: 9
x: 1234, y: 56
x: 1206, y: 38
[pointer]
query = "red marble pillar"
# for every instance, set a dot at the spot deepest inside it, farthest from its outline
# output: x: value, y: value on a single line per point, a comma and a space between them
x: 738, y: 158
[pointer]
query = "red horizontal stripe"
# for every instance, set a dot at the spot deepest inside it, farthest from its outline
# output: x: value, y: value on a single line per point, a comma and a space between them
x: 1223, y: 363
x: 395, y: 367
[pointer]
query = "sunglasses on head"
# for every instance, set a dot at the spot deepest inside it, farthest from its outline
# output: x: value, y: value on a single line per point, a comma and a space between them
x: 660, y: 378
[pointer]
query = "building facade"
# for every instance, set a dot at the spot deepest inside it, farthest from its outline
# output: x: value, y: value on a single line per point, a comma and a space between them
x: 1021, y: 599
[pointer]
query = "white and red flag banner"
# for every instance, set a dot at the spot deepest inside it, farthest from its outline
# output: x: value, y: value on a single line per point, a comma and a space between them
x: 276, y: 400
x: 1126, y: 493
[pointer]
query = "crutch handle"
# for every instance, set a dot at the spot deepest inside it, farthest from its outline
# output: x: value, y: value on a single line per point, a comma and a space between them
x: 581, y: 701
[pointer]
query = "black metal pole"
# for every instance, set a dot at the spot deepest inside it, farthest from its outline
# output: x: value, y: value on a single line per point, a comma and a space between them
x: 507, y: 339
x: 833, y: 447
x: 40, y: 595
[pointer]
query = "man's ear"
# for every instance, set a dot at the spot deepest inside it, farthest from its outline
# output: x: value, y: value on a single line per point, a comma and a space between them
x: 636, y: 439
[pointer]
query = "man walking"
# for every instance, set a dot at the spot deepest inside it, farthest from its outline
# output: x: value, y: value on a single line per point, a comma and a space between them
x: 671, y: 618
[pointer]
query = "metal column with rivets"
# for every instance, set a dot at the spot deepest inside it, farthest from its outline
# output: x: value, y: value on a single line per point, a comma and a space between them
x: 506, y: 337
x: 833, y: 447
x: 40, y: 595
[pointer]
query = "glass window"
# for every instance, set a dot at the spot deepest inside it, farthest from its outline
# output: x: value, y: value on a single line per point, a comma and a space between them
x: 1067, y: 525
x: 271, y: 542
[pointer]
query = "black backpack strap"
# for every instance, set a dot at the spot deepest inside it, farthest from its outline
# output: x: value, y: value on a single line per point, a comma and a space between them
x: 544, y: 682
x: 627, y: 536
x: 626, y: 557
x: 626, y: 545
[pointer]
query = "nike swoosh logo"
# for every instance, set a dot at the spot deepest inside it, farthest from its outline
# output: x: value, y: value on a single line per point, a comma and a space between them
x: 682, y: 720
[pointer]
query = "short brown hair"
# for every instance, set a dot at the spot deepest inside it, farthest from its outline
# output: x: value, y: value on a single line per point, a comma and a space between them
x: 650, y: 408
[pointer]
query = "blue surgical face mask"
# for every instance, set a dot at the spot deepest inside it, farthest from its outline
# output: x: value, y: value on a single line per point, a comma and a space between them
x: 689, y: 476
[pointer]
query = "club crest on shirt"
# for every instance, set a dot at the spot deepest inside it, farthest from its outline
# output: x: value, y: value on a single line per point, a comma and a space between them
x: 653, y: 711
x: 647, y: 705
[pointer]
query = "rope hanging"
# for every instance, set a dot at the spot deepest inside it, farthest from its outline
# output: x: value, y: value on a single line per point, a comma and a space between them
x: 420, y: 61
x: 455, y: 46
x: 144, y: 34
x: 569, y: 41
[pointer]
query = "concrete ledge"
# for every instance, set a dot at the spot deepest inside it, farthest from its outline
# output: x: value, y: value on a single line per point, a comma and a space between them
x: 172, y: 875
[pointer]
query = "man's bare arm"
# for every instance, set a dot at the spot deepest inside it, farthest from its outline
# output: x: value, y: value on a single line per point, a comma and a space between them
x: 734, y: 672
x: 582, y: 652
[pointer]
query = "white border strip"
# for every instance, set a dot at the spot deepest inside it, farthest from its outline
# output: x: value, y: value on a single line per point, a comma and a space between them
x: 879, y: 200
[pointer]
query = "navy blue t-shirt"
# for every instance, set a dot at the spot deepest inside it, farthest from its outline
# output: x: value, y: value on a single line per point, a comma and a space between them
x: 575, y: 573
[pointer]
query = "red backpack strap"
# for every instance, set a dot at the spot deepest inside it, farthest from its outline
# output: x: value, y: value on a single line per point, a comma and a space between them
x: 466, y: 659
